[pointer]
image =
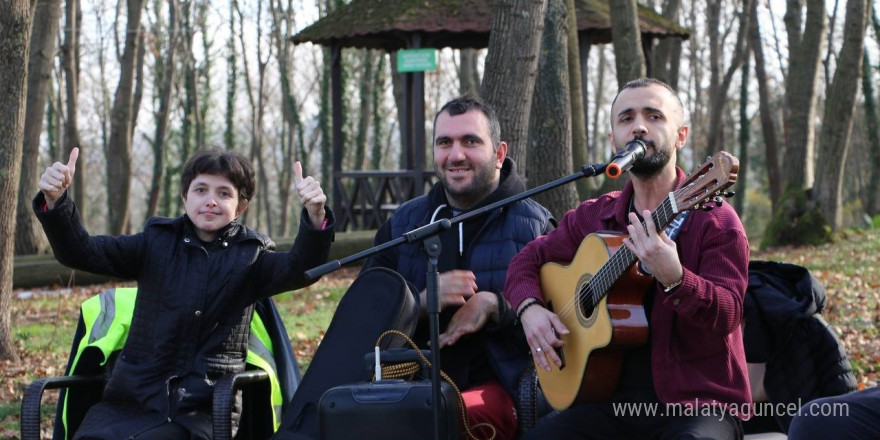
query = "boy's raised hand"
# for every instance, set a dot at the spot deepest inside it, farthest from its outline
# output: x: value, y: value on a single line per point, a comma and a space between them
x: 311, y: 194
x: 57, y: 178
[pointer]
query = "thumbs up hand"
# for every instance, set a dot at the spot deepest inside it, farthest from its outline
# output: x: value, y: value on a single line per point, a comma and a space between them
x: 311, y: 194
x: 57, y: 178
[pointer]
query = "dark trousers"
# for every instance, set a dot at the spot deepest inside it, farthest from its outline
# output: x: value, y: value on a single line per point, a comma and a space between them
x: 627, y: 416
x: 850, y: 416
x: 167, y: 431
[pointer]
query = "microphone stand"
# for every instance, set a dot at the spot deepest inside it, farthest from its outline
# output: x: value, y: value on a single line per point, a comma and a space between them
x: 428, y: 235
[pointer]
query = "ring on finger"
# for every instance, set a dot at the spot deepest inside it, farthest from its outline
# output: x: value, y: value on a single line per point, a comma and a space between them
x: 539, y: 350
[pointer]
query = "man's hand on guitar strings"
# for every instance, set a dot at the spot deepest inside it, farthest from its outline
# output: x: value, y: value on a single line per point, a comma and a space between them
x: 656, y: 252
x: 543, y: 328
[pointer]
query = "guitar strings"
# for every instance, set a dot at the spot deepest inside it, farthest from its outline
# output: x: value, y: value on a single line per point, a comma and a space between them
x: 623, y: 258
x: 618, y: 263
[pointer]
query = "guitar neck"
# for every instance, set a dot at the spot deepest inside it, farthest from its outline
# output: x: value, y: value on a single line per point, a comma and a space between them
x: 623, y: 259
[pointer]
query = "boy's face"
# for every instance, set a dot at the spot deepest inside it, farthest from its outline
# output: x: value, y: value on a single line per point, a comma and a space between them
x: 211, y: 203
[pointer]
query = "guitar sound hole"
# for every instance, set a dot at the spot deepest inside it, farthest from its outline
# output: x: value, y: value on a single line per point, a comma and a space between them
x: 587, y: 306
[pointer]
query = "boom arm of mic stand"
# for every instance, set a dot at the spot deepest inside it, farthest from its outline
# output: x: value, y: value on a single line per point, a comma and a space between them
x: 586, y: 171
x: 416, y: 235
x: 434, y: 228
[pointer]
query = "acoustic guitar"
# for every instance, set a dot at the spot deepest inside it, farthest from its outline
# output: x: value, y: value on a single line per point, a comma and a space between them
x: 598, y: 296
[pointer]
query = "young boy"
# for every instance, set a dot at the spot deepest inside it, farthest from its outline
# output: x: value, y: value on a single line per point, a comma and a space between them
x: 198, y: 277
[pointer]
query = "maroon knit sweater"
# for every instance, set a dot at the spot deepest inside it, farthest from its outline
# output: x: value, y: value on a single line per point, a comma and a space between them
x: 696, y: 338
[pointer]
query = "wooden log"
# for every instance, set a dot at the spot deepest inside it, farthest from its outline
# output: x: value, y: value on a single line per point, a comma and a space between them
x: 43, y: 270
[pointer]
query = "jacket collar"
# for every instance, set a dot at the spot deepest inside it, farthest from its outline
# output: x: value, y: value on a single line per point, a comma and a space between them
x: 231, y: 233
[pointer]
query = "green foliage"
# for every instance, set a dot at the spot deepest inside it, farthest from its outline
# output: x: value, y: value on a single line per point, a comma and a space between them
x: 797, y: 221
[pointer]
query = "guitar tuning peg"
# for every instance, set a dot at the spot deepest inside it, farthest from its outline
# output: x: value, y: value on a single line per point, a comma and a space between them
x: 729, y: 194
x: 718, y: 200
x: 707, y: 207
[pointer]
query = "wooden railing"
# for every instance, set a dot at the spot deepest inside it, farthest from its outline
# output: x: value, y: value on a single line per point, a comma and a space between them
x: 367, y: 198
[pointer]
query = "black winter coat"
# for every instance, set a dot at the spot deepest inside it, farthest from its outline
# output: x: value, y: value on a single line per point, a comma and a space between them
x: 192, y: 313
x: 783, y: 327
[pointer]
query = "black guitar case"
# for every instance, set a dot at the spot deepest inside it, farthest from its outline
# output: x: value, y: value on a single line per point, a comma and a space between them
x: 379, y: 300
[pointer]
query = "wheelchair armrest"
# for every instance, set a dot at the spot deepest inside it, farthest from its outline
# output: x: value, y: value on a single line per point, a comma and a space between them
x: 224, y: 398
x: 33, y: 396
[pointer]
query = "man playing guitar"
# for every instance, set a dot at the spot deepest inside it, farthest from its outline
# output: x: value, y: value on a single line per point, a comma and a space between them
x: 693, y: 357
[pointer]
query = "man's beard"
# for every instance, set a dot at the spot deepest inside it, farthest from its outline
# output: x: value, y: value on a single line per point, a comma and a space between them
x: 651, y: 165
x: 470, y: 195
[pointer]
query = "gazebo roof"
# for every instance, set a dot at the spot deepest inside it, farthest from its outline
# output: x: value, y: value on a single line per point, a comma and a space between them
x: 387, y: 24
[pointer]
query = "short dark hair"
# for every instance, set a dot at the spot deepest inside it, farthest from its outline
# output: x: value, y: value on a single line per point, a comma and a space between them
x: 469, y: 101
x: 645, y: 82
x: 229, y: 164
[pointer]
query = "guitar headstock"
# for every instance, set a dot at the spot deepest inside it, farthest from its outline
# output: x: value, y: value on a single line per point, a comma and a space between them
x: 707, y: 183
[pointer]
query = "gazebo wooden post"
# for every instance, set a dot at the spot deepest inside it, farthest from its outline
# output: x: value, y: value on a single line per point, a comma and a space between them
x: 417, y: 122
x: 336, y: 102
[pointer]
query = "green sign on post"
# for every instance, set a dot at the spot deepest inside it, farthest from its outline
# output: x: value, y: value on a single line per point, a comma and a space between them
x: 416, y: 60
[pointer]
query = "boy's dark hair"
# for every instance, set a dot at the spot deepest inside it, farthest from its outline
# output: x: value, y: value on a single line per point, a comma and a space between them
x: 229, y: 164
x: 469, y: 101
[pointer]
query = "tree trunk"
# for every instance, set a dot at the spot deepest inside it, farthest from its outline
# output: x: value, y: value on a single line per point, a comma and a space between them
x: 378, y: 100
x: 29, y: 238
x: 15, y: 25
x: 805, y: 55
x: 283, y: 19
x: 364, y: 115
x: 839, y: 109
x: 629, y: 58
x: 719, y: 85
x: 771, y: 149
x: 189, y: 123
x: 165, y: 76
x: 70, y: 65
x: 579, y: 155
x: 742, y: 187
x: 697, y: 137
x: 872, y: 205
x: 873, y: 125
x: 397, y: 88
x: 468, y: 76
x: 205, y: 69
x: 325, y: 123
x: 600, y: 142
x: 256, y: 99
x: 119, y: 147
x: 511, y: 66
x: 667, y: 54
x: 550, y: 121
x: 231, y: 83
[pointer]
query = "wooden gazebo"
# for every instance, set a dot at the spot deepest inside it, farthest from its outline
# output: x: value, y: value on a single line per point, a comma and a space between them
x: 363, y: 199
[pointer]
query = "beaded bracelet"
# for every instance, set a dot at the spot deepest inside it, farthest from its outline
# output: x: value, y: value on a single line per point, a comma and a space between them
x: 523, y: 309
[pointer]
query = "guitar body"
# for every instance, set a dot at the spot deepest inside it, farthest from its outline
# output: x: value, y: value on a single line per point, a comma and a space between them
x: 598, y: 336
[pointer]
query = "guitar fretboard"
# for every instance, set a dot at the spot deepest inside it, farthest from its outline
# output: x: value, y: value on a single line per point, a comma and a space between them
x: 620, y: 262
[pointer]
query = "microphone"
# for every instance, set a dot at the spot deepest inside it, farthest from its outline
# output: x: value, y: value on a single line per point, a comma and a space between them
x: 623, y: 160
